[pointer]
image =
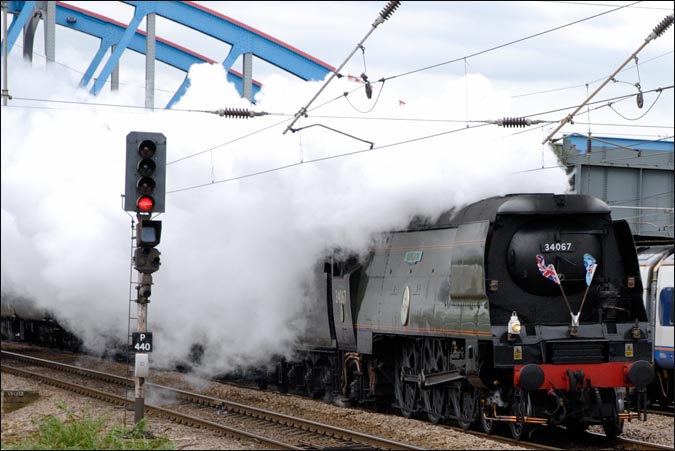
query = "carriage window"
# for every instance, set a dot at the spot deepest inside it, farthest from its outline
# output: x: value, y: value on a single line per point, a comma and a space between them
x: 666, y: 304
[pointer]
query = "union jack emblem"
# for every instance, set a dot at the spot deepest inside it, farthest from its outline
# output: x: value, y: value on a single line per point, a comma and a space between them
x: 547, y: 271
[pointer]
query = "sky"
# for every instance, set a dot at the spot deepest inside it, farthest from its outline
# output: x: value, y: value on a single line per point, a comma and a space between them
x: 238, y: 251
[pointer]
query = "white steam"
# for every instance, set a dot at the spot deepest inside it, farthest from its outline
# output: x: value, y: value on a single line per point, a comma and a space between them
x: 236, y: 255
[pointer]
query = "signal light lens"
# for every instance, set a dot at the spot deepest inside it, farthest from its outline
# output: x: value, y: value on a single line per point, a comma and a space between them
x: 146, y: 167
x: 146, y: 185
x: 145, y: 203
x: 147, y: 149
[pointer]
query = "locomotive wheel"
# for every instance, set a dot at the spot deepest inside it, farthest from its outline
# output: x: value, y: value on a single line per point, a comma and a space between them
x: 487, y: 425
x: 465, y: 402
x: 613, y: 427
x: 435, y: 399
x: 406, y: 392
x: 522, y: 406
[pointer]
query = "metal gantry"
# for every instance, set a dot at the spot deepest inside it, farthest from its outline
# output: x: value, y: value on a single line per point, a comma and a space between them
x: 117, y: 37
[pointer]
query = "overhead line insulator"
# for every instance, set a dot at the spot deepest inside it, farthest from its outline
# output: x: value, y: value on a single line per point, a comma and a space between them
x: 508, y: 122
x: 661, y: 28
x: 241, y: 113
x: 389, y: 9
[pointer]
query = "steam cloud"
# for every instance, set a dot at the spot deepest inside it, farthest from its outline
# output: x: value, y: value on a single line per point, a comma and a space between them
x: 237, y: 255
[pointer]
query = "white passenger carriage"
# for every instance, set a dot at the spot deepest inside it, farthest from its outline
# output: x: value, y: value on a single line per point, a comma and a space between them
x: 656, y: 270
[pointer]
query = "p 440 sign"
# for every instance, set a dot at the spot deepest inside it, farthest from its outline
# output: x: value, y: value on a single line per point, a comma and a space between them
x: 141, y: 341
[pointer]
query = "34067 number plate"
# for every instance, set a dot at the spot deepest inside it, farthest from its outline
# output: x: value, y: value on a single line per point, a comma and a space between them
x: 556, y: 247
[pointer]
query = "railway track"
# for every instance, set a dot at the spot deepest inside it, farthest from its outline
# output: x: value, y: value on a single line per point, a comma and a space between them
x: 628, y: 444
x: 558, y: 439
x: 661, y: 411
x: 268, y: 427
x: 232, y: 419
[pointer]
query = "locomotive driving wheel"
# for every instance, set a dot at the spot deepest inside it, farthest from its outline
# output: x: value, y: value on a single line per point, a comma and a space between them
x: 465, y: 402
x: 406, y: 392
x: 435, y: 360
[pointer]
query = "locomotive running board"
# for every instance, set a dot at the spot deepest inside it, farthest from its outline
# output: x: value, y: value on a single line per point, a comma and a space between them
x: 431, y: 380
x: 426, y: 381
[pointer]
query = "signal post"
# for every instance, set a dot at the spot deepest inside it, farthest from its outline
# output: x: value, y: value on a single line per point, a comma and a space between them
x: 145, y: 190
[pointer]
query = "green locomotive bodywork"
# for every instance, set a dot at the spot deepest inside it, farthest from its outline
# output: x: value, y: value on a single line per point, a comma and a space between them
x: 423, y: 321
x: 415, y: 283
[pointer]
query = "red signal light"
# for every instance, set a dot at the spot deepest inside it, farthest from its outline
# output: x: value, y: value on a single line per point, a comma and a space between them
x: 145, y: 203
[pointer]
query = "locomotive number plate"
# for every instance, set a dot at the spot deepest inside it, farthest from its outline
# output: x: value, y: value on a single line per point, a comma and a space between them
x: 556, y: 247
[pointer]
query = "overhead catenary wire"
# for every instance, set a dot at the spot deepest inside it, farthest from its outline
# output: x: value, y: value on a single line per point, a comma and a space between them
x: 447, y: 120
x: 255, y: 132
x: 282, y: 121
x: 331, y: 157
x: 392, y: 6
x: 546, y: 91
x: 382, y: 80
x: 604, y: 4
x: 229, y: 112
x: 497, y: 47
x: 347, y: 154
x: 390, y: 10
x: 370, y: 118
x: 610, y: 101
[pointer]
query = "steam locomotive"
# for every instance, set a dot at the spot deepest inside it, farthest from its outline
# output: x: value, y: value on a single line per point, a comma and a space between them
x: 522, y: 310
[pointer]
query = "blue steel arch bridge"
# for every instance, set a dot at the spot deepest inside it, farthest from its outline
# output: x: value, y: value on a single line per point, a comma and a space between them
x: 116, y: 37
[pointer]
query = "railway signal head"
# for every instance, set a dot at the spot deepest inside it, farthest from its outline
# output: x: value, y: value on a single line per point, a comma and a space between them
x: 146, y: 259
x: 145, y: 182
x: 144, y: 288
x: 148, y: 233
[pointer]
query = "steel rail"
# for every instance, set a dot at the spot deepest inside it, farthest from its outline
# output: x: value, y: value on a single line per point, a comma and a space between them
x: 240, y: 409
x: 170, y: 414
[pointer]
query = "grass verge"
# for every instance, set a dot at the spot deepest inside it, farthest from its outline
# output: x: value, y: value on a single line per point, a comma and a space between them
x: 81, y: 432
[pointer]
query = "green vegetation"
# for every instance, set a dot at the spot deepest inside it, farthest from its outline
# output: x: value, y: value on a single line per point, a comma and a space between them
x: 86, y: 433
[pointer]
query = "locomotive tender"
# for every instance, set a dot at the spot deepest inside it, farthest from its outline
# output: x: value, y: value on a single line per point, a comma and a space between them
x: 462, y: 319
